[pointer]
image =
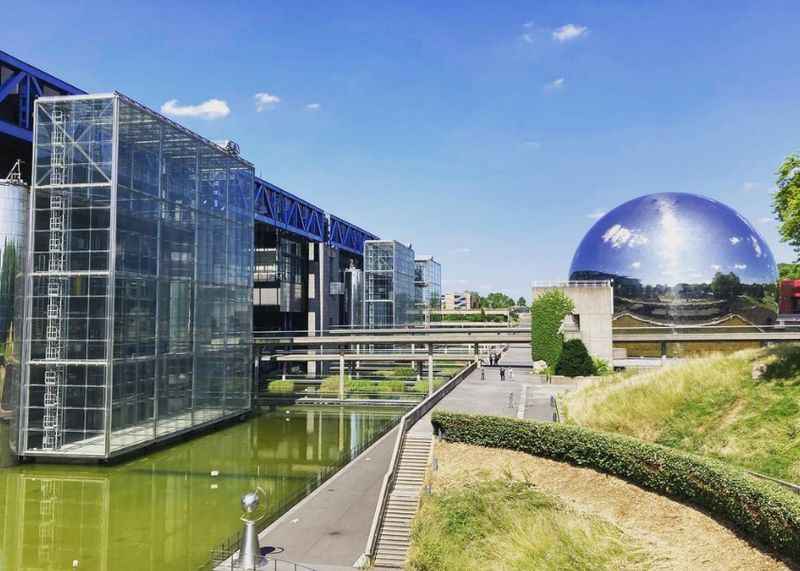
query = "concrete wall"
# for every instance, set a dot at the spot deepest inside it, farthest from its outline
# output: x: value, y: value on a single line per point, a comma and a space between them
x: 594, y: 308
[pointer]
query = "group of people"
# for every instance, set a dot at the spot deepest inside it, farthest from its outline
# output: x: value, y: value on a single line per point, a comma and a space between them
x: 494, y: 359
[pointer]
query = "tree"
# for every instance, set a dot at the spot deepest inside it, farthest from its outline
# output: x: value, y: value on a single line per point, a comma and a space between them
x: 575, y: 360
x: 547, y: 312
x: 521, y: 302
x: 726, y: 286
x: 786, y: 202
x: 497, y: 300
x: 789, y: 271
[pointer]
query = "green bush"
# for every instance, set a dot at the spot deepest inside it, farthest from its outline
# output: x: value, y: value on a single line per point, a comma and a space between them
x: 330, y: 384
x: 601, y: 367
x: 422, y: 386
x: 547, y: 312
x: 280, y: 387
x: 391, y: 387
x: 575, y: 360
x: 759, y: 509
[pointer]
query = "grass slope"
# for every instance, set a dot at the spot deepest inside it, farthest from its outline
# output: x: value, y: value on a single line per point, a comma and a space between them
x: 708, y: 405
x: 507, y: 525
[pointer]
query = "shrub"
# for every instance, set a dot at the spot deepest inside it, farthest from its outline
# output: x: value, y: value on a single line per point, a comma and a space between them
x: 547, y: 312
x: 575, y: 360
x: 330, y: 384
x: 281, y: 387
x: 759, y: 509
x: 422, y: 386
x: 601, y: 367
x: 391, y: 387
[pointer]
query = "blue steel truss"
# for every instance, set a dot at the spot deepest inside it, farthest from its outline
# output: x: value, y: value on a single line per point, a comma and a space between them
x: 348, y: 237
x: 286, y: 211
x: 273, y: 205
x: 28, y: 83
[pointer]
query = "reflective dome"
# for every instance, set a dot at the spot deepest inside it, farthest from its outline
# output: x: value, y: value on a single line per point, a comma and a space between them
x: 680, y: 258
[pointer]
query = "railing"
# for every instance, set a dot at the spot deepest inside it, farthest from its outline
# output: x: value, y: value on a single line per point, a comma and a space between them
x: 576, y: 283
x: 408, y: 420
x: 788, y: 485
x: 221, y: 555
x: 554, y: 405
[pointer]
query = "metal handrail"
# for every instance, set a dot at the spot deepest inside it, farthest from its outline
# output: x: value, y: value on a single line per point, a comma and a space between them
x: 408, y: 420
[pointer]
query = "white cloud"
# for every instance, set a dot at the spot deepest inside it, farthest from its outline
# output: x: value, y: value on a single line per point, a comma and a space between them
x: 266, y: 100
x: 527, y: 37
x: 211, y: 109
x: 529, y: 24
x: 756, y: 246
x: 636, y: 265
x: 740, y: 266
x: 313, y: 107
x: 569, y: 32
x: 716, y: 267
x: 766, y: 220
x: 596, y: 215
x: 619, y: 236
x: 555, y: 84
x: 536, y: 145
x: 734, y: 240
x: 461, y: 251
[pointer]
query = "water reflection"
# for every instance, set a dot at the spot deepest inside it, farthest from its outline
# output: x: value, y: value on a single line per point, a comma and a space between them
x: 166, y: 510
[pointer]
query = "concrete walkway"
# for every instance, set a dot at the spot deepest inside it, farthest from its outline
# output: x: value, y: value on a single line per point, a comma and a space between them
x: 328, y: 530
x: 527, y: 396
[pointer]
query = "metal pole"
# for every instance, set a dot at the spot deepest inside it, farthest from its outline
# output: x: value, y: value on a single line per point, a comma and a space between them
x: 341, y: 377
x: 430, y: 368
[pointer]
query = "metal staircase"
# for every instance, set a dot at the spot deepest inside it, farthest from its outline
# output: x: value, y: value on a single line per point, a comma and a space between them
x: 56, y: 289
x: 394, y: 537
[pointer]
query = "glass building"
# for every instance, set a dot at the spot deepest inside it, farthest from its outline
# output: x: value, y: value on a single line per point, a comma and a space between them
x: 388, y: 284
x: 427, y: 283
x: 138, y: 320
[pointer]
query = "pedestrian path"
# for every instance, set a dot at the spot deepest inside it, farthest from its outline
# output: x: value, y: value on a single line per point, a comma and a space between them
x: 491, y: 396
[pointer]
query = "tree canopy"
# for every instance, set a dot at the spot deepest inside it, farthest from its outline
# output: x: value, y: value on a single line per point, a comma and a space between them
x: 786, y: 202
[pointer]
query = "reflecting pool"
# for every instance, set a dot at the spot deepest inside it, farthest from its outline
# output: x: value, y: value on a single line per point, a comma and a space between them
x: 166, y: 510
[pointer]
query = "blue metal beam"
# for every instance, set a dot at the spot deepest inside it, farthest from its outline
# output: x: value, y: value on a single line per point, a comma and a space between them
x: 347, y: 236
x: 284, y: 210
x: 28, y: 82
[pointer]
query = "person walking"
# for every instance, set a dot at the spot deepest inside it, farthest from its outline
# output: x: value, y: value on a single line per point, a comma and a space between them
x: 483, y: 373
x: 502, y: 374
x: 511, y: 374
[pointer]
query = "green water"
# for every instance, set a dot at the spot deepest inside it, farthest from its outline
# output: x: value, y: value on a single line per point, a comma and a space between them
x: 165, y: 511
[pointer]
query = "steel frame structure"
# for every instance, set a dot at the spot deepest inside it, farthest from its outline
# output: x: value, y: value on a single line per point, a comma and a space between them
x: 284, y: 210
x: 30, y: 83
x: 347, y: 236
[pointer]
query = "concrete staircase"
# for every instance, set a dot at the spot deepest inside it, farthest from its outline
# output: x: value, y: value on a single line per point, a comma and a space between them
x: 395, y: 532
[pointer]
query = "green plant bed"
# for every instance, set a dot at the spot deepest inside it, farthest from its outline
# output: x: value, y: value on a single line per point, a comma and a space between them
x: 280, y: 387
x: 760, y: 510
x: 422, y: 386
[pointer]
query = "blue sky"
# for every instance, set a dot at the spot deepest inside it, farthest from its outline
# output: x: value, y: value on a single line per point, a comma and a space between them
x: 487, y: 134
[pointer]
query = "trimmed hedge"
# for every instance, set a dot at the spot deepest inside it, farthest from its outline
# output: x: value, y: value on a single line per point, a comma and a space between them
x: 575, y: 360
x: 759, y: 509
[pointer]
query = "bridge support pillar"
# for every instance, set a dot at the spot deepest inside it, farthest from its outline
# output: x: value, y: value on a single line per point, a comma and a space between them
x: 430, y: 369
x: 477, y: 352
x: 283, y: 374
x: 341, y: 377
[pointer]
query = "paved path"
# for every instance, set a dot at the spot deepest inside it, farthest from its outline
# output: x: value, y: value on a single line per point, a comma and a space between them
x: 501, y: 398
x: 329, y: 529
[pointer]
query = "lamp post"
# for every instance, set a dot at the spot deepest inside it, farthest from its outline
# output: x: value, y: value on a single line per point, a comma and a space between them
x: 250, y: 557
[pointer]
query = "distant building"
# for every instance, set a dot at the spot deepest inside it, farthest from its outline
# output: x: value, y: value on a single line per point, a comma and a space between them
x: 789, y: 297
x: 427, y: 282
x: 388, y: 284
x: 459, y: 301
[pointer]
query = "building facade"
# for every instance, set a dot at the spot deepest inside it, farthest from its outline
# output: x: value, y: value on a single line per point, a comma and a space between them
x: 427, y: 283
x: 389, y: 291
x: 138, y: 317
x: 455, y: 301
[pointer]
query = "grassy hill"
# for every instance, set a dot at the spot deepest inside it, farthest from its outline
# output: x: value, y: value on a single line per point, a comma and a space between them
x: 708, y: 405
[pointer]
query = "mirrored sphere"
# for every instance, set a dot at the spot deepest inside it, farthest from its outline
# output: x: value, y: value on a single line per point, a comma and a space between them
x: 679, y: 258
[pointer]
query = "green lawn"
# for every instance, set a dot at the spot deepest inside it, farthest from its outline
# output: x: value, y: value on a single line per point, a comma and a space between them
x: 710, y: 406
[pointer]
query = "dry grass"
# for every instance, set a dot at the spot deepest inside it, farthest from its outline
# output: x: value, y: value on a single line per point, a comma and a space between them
x: 632, y: 528
x: 708, y: 405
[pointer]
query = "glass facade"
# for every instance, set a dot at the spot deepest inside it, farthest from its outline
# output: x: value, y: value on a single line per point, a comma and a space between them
x: 138, y: 321
x: 388, y: 284
x: 428, y: 283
